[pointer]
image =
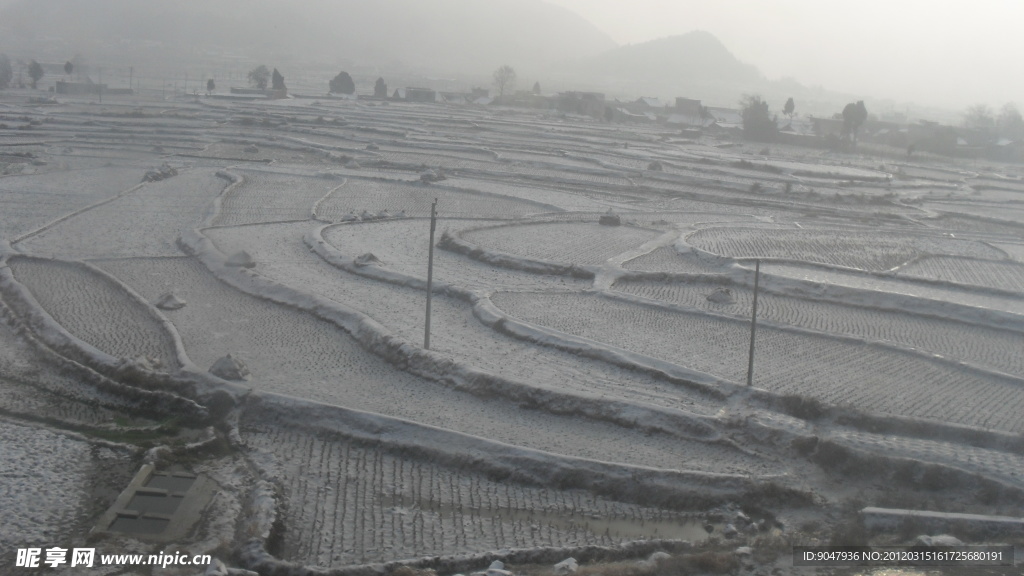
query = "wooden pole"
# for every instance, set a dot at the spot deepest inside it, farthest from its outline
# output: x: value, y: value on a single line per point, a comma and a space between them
x: 430, y: 273
x: 753, y: 324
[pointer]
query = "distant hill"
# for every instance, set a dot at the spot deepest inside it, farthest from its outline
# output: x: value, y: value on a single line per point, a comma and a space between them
x: 696, y: 62
x: 469, y: 36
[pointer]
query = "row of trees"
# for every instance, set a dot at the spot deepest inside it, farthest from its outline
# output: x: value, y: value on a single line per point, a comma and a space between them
x: 343, y: 84
x: 1008, y: 123
x: 758, y: 121
x: 504, y: 81
x: 35, y: 72
x: 760, y: 124
x: 260, y: 76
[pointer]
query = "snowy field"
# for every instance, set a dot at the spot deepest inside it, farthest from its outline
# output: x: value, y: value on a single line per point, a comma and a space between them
x: 585, y: 382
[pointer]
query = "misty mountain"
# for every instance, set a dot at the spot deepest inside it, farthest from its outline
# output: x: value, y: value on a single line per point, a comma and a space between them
x: 470, y: 36
x: 696, y: 61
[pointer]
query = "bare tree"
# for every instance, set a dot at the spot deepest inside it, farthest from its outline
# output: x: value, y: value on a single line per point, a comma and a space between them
x: 757, y: 120
x: 979, y: 116
x: 35, y: 72
x: 1010, y: 122
x: 504, y: 80
x: 6, y: 71
x: 259, y: 77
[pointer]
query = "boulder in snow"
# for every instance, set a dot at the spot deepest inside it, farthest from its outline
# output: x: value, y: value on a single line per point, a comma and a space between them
x: 230, y: 368
x: 168, y: 301
x: 658, y: 556
x: 162, y: 173
x: 610, y: 219
x: 567, y: 566
x: 942, y: 540
x: 366, y: 260
x: 429, y: 176
x: 722, y: 296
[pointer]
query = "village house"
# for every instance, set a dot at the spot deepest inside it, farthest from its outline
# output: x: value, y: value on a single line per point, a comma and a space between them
x: 585, y: 103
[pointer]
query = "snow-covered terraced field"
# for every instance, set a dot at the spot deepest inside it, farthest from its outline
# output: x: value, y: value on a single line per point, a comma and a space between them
x: 51, y: 480
x: 374, y: 195
x: 736, y: 206
x: 281, y: 255
x: 862, y: 376
x: 555, y: 196
x: 992, y: 348
x: 262, y: 153
x: 272, y: 197
x: 997, y: 211
x: 43, y: 475
x: 1014, y: 251
x: 667, y: 259
x: 870, y: 251
x: 1004, y: 466
x: 403, y: 245
x: 32, y: 386
x: 599, y: 176
x: 96, y: 310
x: 1013, y: 186
x: 930, y: 173
x: 897, y: 304
x: 580, y: 243
x: 437, y: 160
x: 1002, y: 275
x: 297, y: 354
x: 148, y: 221
x: 957, y: 295
x: 355, y: 504
x: 30, y: 202
x: 952, y: 222
x: 24, y: 399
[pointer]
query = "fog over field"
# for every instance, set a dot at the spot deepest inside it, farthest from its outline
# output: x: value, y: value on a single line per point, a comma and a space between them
x: 947, y: 55
x: 508, y: 287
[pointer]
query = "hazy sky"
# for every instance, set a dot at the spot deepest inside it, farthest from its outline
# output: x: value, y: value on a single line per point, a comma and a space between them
x: 937, y: 52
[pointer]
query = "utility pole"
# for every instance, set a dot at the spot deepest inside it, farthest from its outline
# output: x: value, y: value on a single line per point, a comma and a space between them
x: 101, y: 85
x: 131, y: 76
x: 753, y: 324
x: 430, y: 273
